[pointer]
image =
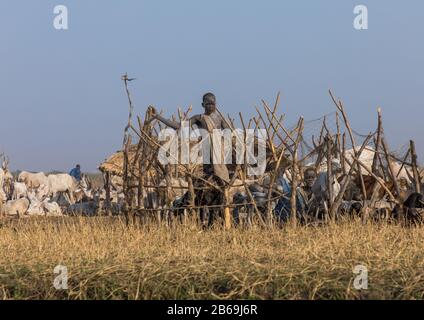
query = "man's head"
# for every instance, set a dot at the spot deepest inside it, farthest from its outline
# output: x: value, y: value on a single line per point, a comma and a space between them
x: 209, y: 103
x: 309, y: 177
x: 78, y: 166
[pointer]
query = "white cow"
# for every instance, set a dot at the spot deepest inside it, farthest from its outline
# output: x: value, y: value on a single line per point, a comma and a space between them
x: 41, y: 205
x: 14, y: 207
x: 33, y: 180
x: 19, y: 190
x: 62, y: 183
x: 35, y: 205
x: 367, y: 158
x: 51, y: 207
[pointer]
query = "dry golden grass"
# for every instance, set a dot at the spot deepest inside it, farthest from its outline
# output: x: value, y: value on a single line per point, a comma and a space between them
x: 107, y: 260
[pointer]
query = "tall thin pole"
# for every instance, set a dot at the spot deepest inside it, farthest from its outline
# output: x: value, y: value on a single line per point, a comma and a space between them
x: 415, y: 168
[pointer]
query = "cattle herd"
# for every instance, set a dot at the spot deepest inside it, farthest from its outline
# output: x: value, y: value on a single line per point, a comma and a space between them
x: 55, y: 194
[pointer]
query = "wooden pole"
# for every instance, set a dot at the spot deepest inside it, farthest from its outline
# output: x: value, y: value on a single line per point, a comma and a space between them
x: 127, y: 184
x: 293, y: 196
x: 417, y: 178
x: 343, y: 153
x: 391, y: 170
x: 377, y: 143
x: 227, y: 213
x: 403, y: 162
x: 330, y: 177
x: 338, y: 201
x: 339, y: 106
x: 339, y: 144
x: 107, y: 189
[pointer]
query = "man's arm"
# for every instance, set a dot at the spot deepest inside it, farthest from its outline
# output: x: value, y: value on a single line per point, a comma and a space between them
x: 173, y: 124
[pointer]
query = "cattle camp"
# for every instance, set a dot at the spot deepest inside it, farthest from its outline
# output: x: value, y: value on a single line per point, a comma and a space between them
x: 217, y: 206
x: 220, y: 158
x: 308, y: 175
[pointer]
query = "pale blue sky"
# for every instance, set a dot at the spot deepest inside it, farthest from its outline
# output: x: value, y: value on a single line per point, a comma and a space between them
x: 62, y: 101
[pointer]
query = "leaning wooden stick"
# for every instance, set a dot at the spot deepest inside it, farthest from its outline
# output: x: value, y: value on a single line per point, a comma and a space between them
x: 339, y: 199
x: 340, y: 107
x: 377, y: 142
x: 391, y: 170
x: 330, y: 178
x: 293, y: 196
x: 417, y: 178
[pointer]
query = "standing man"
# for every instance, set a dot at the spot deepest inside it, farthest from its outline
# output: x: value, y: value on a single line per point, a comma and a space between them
x: 210, y: 120
x: 76, y: 173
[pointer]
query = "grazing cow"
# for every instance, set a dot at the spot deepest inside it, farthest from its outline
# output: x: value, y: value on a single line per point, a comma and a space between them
x: 62, y: 183
x: 14, y: 207
x: 33, y: 180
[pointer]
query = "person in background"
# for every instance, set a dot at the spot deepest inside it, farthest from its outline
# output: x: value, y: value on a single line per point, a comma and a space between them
x: 309, y: 178
x: 304, y: 196
x: 76, y: 173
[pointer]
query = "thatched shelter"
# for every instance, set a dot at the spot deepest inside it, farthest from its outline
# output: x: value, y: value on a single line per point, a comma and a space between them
x: 114, y: 164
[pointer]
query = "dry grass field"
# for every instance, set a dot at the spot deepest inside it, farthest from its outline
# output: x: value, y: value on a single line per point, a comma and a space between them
x: 108, y: 260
